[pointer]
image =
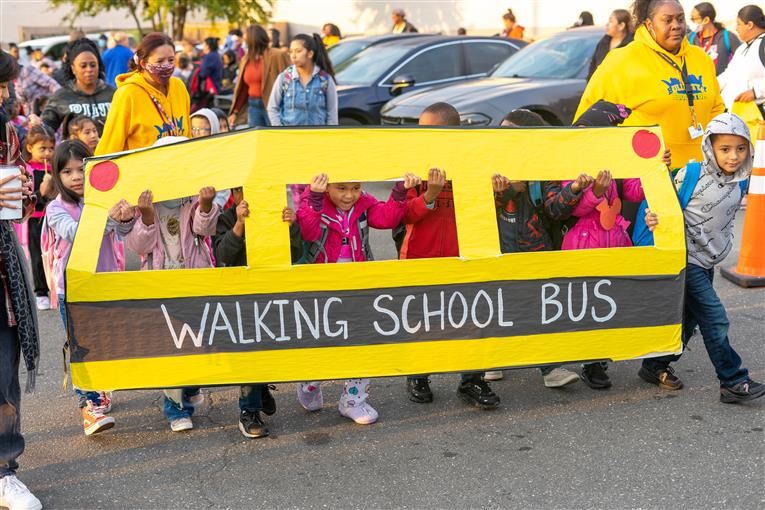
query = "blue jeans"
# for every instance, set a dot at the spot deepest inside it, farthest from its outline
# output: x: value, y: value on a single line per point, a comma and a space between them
x: 251, y: 397
x: 256, y: 113
x: 11, y: 440
x: 82, y: 396
x: 176, y: 404
x: 704, y: 309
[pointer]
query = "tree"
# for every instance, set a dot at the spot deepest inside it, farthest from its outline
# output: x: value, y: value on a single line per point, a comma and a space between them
x: 157, y: 12
x: 93, y: 7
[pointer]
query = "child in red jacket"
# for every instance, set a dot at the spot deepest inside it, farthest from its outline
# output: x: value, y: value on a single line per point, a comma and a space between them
x: 431, y: 231
x: 334, y: 218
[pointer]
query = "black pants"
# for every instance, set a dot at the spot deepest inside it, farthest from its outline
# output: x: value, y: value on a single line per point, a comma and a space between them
x: 11, y: 440
x: 35, y: 254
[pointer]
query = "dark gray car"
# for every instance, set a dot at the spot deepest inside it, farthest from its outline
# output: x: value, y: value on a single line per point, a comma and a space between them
x: 547, y: 77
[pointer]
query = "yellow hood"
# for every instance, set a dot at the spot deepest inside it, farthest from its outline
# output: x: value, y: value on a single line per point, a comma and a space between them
x: 141, y: 114
x: 639, y: 78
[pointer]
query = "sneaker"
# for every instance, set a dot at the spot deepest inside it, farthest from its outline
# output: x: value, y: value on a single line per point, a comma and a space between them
x: 741, y: 392
x: 493, y: 375
x: 664, y: 379
x: 310, y: 397
x: 14, y: 495
x: 94, y: 421
x: 196, y: 400
x: 594, y: 375
x: 419, y: 389
x: 477, y: 392
x: 251, y: 424
x: 181, y: 424
x: 363, y: 414
x: 105, y: 402
x: 559, y: 377
x: 267, y: 399
x: 43, y: 302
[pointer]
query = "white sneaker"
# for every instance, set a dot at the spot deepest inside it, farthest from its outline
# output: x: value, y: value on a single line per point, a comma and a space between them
x: 16, y: 496
x: 197, y: 400
x: 310, y: 397
x: 181, y: 424
x: 493, y: 375
x: 363, y: 414
x: 43, y: 302
x: 560, y: 377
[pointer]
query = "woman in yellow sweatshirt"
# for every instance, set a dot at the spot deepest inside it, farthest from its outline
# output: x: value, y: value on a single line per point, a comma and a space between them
x: 149, y: 103
x: 647, y: 76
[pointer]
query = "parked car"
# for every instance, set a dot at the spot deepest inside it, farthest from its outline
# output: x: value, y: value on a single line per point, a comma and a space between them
x: 370, y: 78
x: 53, y: 47
x: 547, y: 77
x: 350, y: 46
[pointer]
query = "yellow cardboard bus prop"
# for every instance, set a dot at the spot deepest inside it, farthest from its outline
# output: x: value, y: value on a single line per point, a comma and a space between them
x: 272, y: 321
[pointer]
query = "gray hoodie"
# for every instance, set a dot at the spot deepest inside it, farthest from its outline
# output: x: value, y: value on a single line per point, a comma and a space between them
x: 710, y: 213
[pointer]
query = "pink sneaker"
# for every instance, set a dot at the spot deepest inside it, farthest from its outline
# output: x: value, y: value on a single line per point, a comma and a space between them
x: 104, y: 402
x: 309, y: 395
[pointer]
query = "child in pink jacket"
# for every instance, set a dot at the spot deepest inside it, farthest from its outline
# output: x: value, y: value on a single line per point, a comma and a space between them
x: 600, y: 223
x: 174, y: 234
x: 335, y: 219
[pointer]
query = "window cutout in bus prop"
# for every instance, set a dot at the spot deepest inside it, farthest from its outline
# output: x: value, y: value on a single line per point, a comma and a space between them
x: 380, y: 225
x: 272, y: 321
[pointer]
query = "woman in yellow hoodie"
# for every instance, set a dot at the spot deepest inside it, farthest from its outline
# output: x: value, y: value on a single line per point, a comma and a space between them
x: 149, y: 103
x: 662, y: 78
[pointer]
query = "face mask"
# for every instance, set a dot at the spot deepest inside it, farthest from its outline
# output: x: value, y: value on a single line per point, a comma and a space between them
x: 101, y: 43
x: 161, y: 72
x: 693, y: 27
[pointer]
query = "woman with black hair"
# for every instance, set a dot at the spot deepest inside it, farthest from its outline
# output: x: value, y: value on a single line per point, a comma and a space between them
x: 230, y: 70
x: 85, y: 92
x: 619, y: 33
x: 209, y: 77
x: 744, y: 80
x: 662, y: 79
x: 257, y: 73
x: 19, y: 333
x: 305, y: 94
x: 711, y: 36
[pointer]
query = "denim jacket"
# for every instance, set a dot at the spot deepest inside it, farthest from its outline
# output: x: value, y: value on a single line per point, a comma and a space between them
x: 291, y: 104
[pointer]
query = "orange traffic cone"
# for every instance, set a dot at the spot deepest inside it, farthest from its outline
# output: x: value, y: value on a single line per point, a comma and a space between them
x: 750, y: 271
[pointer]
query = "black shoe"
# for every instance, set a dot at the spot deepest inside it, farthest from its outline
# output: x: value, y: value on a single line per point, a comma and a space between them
x: 267, y: 399
x: 747, y: 390
x: 594, y: 375
x: 419, y: 390
x: 478, y: 393
x: 664, y: 379
x: 251, y: 424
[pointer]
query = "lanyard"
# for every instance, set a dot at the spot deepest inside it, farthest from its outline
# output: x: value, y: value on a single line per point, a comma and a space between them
x: 686, y: 83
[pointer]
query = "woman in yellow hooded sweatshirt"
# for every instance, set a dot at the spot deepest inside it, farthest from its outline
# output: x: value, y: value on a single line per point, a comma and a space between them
x: 662, y: 78
x: 149, y: 103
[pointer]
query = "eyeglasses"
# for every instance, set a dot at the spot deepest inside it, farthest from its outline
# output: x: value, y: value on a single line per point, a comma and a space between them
x: 196, y: 131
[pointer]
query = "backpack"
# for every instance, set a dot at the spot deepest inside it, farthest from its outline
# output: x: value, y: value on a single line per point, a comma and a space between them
x: 312, y: 250
x: 726, y: 41
x: 641, y: 236
x: 199, y: 89
x: 287, y: 81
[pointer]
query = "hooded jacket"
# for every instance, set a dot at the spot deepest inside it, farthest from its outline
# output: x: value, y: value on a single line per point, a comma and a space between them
x: 639, y: 78
x: 70, y: 99
x: 136, y: 121
x: 712, y: 208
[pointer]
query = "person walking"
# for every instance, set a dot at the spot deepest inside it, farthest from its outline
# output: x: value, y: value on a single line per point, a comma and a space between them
x: 619, y: 33
x: 662, y: 78
x: 711, y: 36
x: 149, y: 103
x: 19, y: 333
x: 257, y: 73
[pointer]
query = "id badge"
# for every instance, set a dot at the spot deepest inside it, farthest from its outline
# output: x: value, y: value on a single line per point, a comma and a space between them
x: 695, y: 132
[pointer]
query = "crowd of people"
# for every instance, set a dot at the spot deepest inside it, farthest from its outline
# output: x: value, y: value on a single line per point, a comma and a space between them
x: 117, y: 98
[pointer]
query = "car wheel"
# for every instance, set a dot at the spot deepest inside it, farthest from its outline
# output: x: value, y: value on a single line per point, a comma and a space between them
x: 350, y: 121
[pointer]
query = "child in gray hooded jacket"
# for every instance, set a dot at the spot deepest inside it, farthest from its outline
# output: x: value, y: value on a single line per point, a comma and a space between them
x: 709, y: 216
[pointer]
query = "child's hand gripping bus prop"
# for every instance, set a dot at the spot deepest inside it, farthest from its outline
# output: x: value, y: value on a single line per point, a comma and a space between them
x: 272, y: 321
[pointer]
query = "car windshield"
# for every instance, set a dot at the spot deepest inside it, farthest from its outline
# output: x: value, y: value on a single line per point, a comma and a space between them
x: 366, y: 67
x: 344, y: 50
x: 556, y: 57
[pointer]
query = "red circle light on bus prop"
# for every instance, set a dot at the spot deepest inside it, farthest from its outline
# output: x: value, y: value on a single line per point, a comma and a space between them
x: 104, y: 175
x: 646, y: 144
